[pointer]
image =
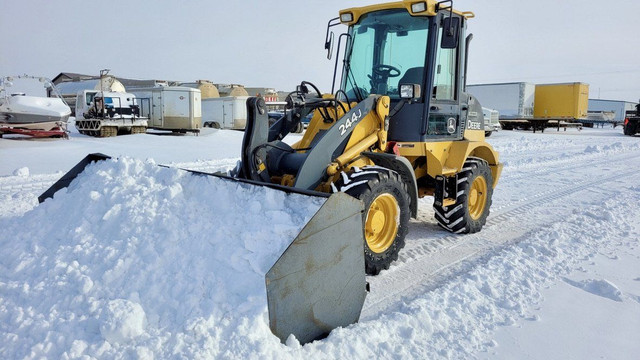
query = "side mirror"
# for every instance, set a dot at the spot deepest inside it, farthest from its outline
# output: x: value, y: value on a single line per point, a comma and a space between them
x: 450, y: 31
x: 410, y: 92
x: 328, y: 45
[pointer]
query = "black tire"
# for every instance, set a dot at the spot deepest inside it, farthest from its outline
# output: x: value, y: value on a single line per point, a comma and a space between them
x: 374, y: 183
x: 124, y: 131
x: 631, y: 128
x: 468, y: 215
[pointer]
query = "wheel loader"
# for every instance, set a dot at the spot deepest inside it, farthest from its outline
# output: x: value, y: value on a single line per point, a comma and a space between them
x: 399, y: 127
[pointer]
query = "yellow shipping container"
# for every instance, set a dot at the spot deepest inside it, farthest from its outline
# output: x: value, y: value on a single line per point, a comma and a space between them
x: 561, y: 101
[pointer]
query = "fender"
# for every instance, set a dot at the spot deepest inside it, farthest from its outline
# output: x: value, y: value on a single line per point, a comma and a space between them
x: 403, y: 167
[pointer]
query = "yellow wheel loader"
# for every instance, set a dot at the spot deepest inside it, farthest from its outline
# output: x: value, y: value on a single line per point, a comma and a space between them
x: 400, y: 127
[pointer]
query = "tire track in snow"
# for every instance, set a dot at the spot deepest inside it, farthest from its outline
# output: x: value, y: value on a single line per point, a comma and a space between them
x: 421, y: 267
x: 15, y: 184
x: 499, y: 213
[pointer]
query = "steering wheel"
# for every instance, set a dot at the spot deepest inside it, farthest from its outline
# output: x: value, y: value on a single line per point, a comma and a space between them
x: 386, y: 71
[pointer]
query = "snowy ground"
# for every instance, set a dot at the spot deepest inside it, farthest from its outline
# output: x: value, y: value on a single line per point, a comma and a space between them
x: 554, y: 274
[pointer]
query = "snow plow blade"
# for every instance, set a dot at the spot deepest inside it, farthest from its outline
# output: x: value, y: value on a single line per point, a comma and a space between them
x: 67, y: 178
x: 318, y: 283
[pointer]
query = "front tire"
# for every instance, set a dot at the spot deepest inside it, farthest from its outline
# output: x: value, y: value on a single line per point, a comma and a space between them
x: 386, y: 213
x: 474, y: 189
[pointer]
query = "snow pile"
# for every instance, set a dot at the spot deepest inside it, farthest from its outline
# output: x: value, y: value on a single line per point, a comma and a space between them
x: 135, y: 260
x: 602, y: 288
x: 22, y: 172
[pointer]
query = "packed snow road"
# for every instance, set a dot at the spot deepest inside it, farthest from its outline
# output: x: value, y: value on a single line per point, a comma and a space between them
x: 564, y: 224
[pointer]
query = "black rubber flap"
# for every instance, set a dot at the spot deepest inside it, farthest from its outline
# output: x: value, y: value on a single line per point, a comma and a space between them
x: 71, y: 174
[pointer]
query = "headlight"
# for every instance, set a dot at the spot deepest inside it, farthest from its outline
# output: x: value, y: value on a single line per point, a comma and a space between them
x: 409, y: 91
x: 346, y: 17
x: 419, y: 7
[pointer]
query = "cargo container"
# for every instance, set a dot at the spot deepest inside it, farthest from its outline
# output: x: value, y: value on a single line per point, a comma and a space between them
x: 228, y: 112
x: 618, y: 107
x: 565, y: 101
x: 174, y: 108
x: 511, y: 100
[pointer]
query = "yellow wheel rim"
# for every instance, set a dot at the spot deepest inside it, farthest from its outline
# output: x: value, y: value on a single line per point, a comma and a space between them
x: 477, y: 197
x: 381, y: 225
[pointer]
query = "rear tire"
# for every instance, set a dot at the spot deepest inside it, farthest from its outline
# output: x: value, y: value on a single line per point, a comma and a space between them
x: 386, y: 213
x: 475, y: 189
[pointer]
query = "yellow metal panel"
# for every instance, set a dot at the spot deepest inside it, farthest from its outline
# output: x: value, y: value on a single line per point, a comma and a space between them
x: 448, y: 157
x: 357, y: 12
x: 561, y: 101
x: 582, y: 104
x: 474, y: 135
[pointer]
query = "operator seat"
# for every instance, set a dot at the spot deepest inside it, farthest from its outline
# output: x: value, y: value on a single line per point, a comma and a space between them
x: 414, y: 75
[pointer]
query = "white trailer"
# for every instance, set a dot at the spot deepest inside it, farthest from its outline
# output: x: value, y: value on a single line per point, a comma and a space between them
x: 175, y: 108
x: 618, y: 107
x: 228, y: 112
x: 511, y: 100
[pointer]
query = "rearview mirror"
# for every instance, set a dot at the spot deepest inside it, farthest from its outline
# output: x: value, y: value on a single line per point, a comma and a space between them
x: 450, y: 31
x: 328, y: 45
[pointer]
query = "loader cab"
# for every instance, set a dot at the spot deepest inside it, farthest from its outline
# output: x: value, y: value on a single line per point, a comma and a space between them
x: 388, y: 48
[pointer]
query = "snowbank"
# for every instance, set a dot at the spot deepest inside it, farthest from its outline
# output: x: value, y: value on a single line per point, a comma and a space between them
x: 136, y: 260
x: 81, y: 276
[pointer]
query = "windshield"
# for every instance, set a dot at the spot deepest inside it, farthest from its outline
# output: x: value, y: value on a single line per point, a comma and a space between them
x: 388, y: 48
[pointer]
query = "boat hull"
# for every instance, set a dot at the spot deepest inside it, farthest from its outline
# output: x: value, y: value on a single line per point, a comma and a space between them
x: 23, y: 111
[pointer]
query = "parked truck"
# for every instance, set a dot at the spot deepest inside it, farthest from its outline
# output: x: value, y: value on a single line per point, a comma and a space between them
x: 174, y: 108
x: 109, y: 113
x: 491, y: 121
x: 632, y: 122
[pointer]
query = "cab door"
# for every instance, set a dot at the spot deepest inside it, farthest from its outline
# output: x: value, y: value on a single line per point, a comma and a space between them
x: 444, y: 121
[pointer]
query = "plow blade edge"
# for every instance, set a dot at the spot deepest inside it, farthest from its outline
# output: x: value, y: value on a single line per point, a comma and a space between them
x: 319, y: 284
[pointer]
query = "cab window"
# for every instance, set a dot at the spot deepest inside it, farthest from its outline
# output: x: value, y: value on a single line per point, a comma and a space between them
x: 444, y: 83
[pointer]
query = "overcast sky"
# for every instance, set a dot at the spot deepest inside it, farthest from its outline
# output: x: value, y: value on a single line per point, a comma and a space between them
x: 279, y: 43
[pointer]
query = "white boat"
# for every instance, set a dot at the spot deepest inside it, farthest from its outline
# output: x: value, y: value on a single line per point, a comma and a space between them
x: 32, y: 115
